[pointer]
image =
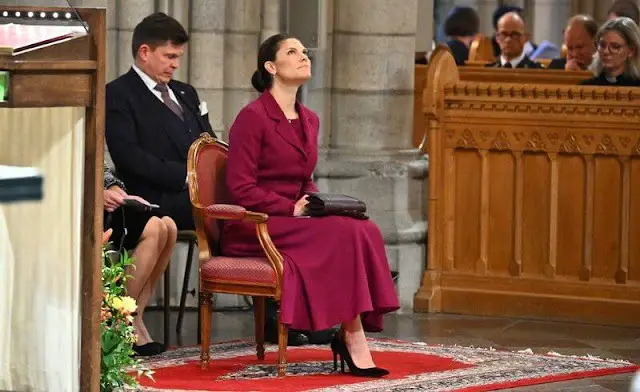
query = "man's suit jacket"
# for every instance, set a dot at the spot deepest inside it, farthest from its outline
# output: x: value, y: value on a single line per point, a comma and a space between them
x: 525, y: 63
x: 149, y: 144
x: 558, y: 63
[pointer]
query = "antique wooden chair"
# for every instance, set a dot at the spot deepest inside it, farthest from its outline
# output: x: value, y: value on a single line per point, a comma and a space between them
x: 256, y: 277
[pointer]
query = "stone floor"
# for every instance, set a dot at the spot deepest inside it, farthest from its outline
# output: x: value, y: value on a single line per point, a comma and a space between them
x: 502, y: 333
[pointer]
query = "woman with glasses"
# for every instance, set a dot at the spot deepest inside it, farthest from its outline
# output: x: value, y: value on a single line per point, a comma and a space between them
x: 618, y: 60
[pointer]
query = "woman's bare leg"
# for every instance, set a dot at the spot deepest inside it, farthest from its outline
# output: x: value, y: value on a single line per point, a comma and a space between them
x: 357, y: 344
x: 164, y: 253
x: 145, y: 256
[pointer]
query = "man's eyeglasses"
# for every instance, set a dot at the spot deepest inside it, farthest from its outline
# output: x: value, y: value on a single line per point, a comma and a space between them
x: 613, y: 47
x: 510, y: 34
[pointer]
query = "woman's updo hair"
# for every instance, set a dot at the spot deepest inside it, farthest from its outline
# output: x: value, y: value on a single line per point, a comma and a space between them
x: 262, y: 79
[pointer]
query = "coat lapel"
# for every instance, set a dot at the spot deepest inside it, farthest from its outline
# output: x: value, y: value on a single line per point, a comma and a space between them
x: 282, y: 126
x: 187, y: 104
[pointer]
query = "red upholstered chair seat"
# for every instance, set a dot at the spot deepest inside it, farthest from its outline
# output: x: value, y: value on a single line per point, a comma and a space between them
x: 239, y: 269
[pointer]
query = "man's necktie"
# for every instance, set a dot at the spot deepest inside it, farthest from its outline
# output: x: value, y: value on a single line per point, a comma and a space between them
x: 164, y: 93
x: 507, y: 65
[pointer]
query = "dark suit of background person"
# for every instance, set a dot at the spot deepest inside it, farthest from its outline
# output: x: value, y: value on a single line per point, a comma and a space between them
x: 603, y: 80
x: 524, y: 63
x: 148, y: 142
x: 461, y: 26
x: 558, y: 63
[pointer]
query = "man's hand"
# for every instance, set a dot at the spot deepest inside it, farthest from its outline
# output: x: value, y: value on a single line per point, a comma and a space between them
x: 113, y: 198
x: 573, y: 65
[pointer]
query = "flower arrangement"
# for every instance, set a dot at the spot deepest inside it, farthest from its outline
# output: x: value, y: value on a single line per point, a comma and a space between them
x: 116, y: 330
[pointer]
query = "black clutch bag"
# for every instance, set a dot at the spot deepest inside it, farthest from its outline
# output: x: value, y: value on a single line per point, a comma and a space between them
x: 325, y: 204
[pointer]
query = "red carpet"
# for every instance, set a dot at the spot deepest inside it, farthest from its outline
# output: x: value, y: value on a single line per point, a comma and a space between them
x: 413, y: 366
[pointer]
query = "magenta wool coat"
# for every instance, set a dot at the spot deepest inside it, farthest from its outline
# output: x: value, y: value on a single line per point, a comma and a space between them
x: 335, y: 268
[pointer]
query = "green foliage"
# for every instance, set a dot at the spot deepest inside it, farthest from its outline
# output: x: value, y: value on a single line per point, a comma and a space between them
x: 116, y: 330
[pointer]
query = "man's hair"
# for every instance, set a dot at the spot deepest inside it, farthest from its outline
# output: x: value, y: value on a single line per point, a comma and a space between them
x: 157, y: 30
x: 462, y: 22
x: 587, y: 23
x: 627, y: 8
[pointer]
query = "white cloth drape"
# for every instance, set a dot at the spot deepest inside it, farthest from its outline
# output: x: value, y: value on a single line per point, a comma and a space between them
x: 40, y: 252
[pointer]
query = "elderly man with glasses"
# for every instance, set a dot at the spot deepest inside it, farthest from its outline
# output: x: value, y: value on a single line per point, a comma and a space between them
x: 511, y: 38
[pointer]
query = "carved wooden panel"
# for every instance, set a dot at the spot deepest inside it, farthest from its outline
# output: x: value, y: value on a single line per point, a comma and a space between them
x: 533, y: 202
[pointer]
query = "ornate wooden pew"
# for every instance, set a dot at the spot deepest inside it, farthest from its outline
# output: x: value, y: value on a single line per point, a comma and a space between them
x: 533, y: 194
x: 483, y: 74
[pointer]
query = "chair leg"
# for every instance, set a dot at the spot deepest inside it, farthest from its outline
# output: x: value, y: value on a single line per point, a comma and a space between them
x: 206, y: 309
x: 199, y: 332
x: 167, y: 306
x: 282, y: 347
x: 258, y: 316
x: 185, y: 287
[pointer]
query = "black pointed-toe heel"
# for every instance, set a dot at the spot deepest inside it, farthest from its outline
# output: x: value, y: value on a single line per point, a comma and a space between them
x: 147, y: 350
x: 339, y: 347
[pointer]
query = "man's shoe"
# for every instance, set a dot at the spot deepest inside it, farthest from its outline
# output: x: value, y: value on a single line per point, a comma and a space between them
x: 321, y: 337
x: 294, y: 338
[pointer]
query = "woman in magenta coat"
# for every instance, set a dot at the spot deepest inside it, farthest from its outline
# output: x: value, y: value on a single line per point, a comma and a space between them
x: 335, y: 268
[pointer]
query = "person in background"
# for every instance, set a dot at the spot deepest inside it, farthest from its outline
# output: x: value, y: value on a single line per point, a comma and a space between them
x: 335, y: 268
x: 499, y: 12
x: 627, y: 8
x: 511, y: 38
x: 580, y: 41
x: 151, y: 241
x: 618, y: 61
x: 461, y: 26
x: 152, y: 120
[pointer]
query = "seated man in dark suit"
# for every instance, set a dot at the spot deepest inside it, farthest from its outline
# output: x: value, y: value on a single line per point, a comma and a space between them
x: 151, y: 120
x: 511, y: 38
x: 579, y: 39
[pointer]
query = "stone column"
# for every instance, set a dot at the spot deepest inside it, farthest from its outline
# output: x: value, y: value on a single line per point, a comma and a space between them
x: 129, y: 13
x: 317, y: 92
x: 425, y: 28
x: 207, y: 55
x: 270, y: 15
x: 549, y: 19
x: 485, y: 10
x: 241, y: 40
x: 112, y: 53
x: 180, y: 10
x: 370, y: 153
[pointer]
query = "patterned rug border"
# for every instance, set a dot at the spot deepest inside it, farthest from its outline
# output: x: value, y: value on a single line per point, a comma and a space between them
x: 492, y: 368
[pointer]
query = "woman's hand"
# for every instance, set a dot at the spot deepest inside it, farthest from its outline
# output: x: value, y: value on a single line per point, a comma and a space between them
x: 298, y: 210
x: 113, y: 198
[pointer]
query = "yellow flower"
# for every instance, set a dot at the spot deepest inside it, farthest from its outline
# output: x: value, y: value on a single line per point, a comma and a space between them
x: 125, y: 305
x: 129, y: 305
x: 115, y: 302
